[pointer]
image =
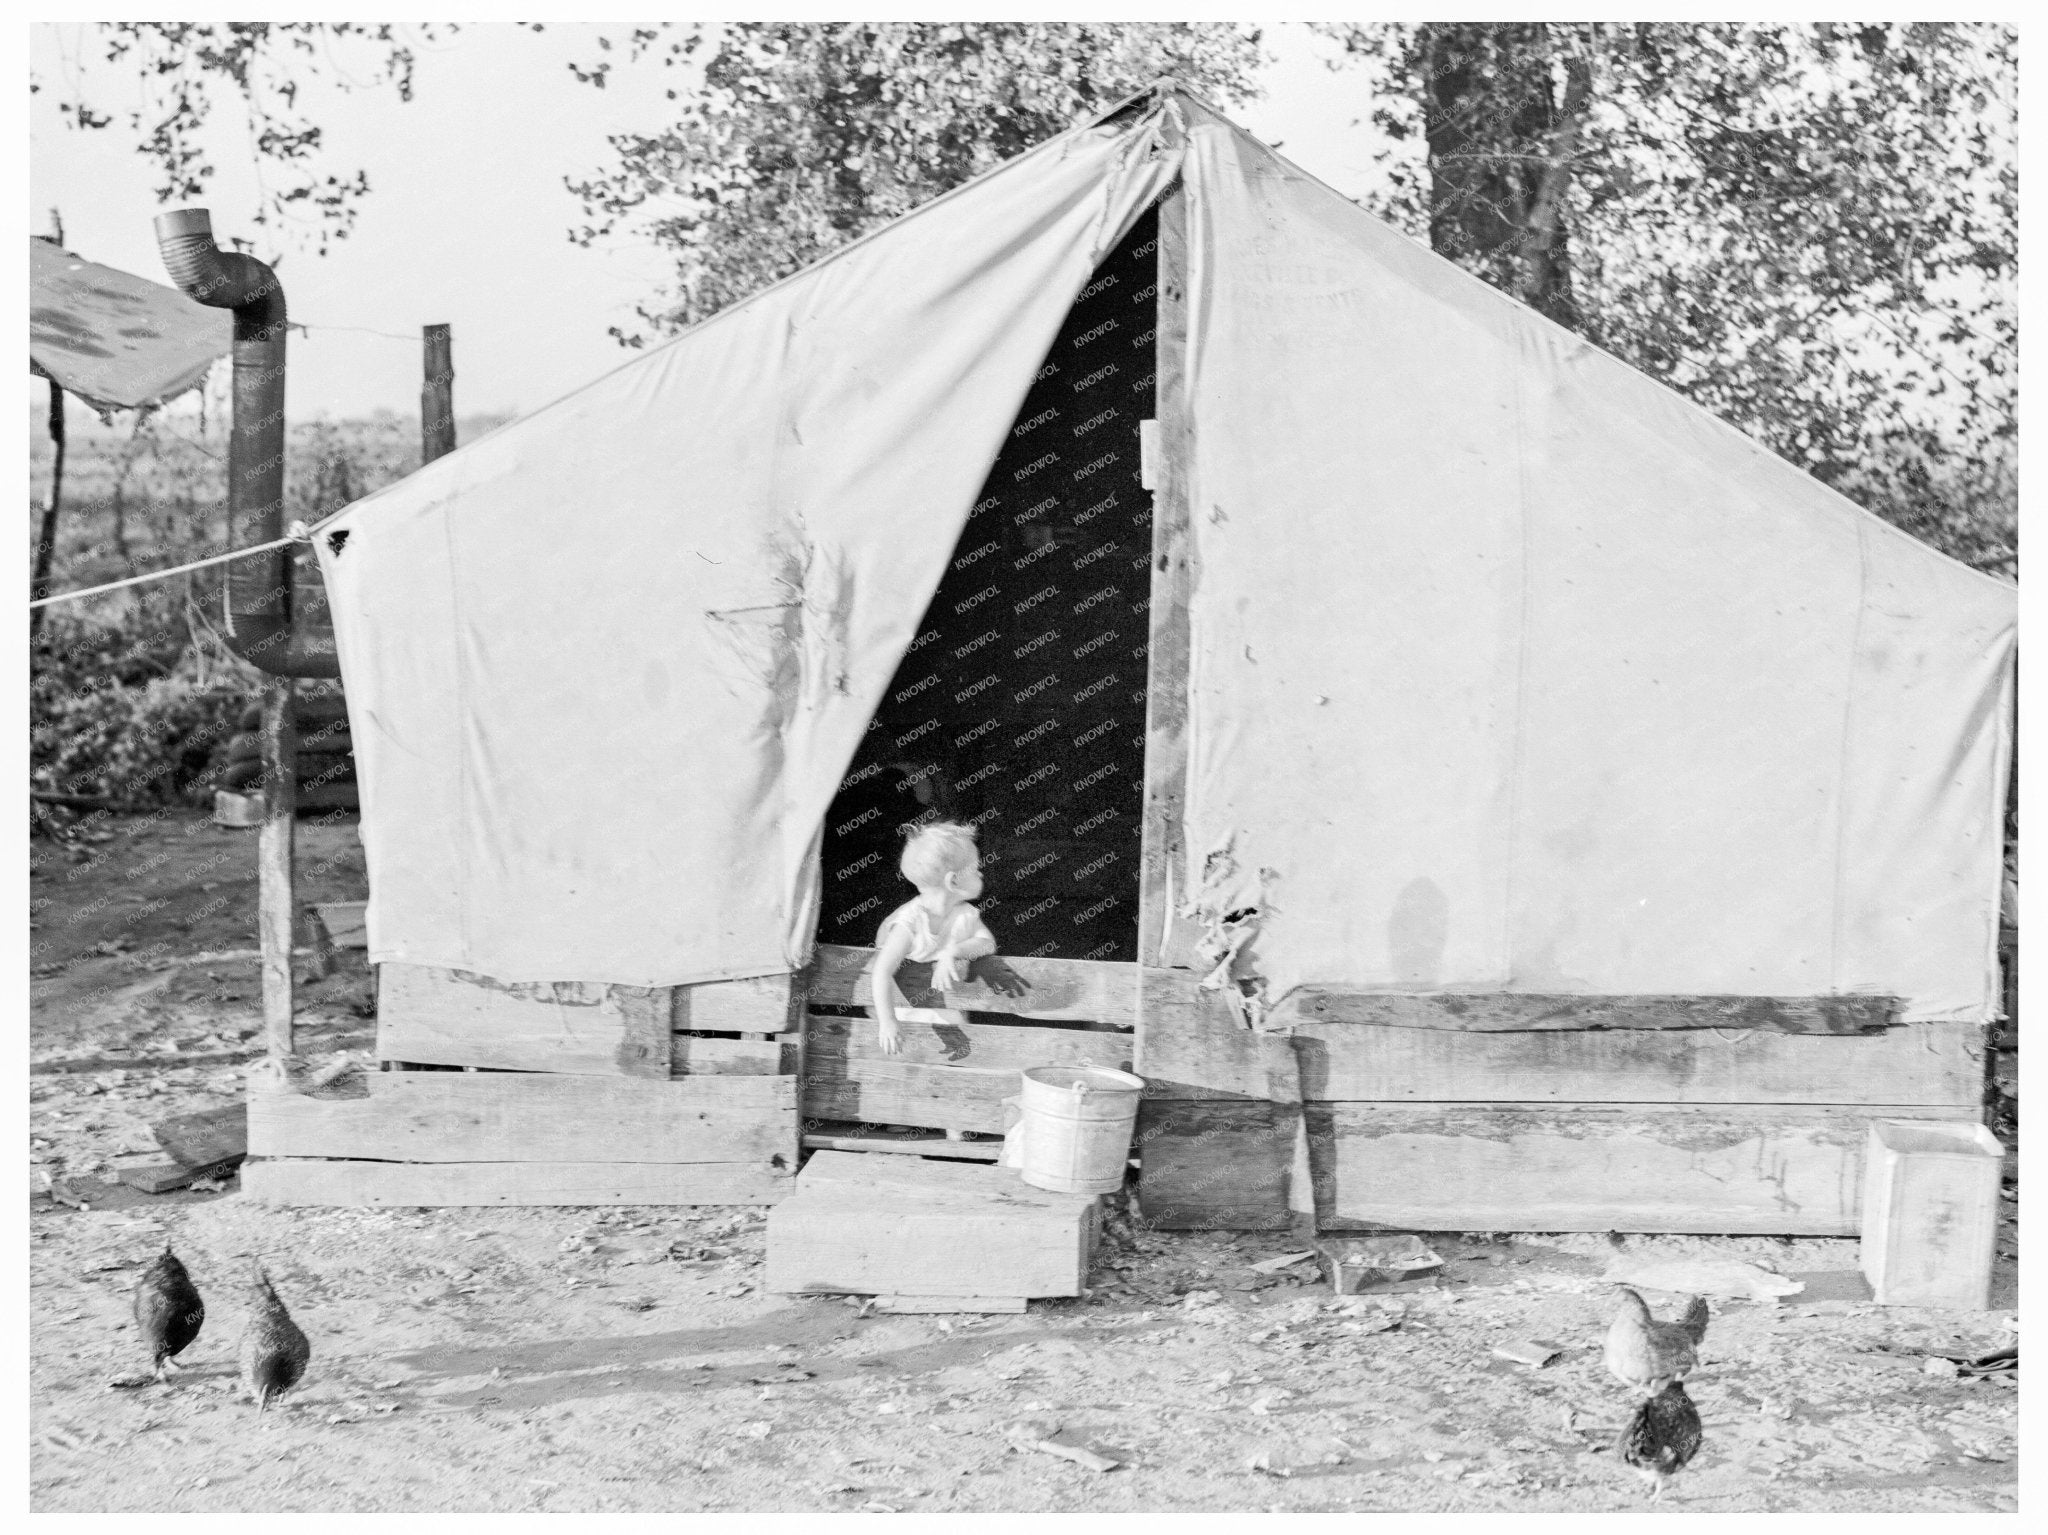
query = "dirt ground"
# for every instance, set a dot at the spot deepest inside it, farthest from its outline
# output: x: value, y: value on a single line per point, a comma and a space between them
x: 562, y: 1359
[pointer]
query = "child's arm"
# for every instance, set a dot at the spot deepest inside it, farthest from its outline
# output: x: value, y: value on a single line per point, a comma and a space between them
x: 895, y: 947
x: 975, y: 941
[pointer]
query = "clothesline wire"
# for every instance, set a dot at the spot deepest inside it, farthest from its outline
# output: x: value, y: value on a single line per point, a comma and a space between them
x: 299, y: 537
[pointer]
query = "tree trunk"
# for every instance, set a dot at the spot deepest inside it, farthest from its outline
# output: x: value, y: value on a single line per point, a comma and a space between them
x: 1500, y: 147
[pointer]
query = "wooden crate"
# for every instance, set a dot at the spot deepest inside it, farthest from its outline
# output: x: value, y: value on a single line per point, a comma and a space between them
x: 867, y: 1225
x: 946, y: 1077
x: 1930, y: 1213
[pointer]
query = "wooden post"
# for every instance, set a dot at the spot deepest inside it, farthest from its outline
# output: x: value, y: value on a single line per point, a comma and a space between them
x: 46, y: 547
x: 275, y: 904
x: 1163, y: 939
x: 437, y: 394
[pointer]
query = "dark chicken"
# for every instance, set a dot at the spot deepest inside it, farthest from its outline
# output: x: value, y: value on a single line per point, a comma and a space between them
x: 168, y: 1310
x: 1648, y: 1354
x: 1660, y: 1437
x: 275, y: 1352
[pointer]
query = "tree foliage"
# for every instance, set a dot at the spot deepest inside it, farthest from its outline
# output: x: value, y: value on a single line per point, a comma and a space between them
x: 182, y: 66
x: 1811, y: 231
x: 803, y: 137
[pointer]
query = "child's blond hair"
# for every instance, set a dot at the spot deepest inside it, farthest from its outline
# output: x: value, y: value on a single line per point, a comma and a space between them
x: 933, y: 851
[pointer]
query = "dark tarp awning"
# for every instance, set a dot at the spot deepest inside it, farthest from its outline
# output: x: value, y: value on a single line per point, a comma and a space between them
x: 115, y: 340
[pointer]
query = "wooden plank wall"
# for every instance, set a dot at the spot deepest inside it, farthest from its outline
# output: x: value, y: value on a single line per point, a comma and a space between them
x: 1414, y: 1128
x: 955, y: 1077
x: 430, y: 1016
x: 570, y: 1094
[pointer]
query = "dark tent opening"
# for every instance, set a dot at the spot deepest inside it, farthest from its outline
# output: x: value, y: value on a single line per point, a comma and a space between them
x: 1020, y: 705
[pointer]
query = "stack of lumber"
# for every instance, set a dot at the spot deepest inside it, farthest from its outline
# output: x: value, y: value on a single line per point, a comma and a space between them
x: 927, y: 1235
x: 571, y: 1093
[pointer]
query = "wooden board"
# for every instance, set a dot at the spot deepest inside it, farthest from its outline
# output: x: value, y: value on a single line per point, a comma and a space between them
x: 905, y: 1144
x: 162, y: 1177
x: 1217, y: 1164
x: 1781, y: 1168
x: 1941, y: 1063
x: 440, y: 1017
x: 927, y: 1305
x: 947, y: 1077
x: 864, y: 1225
x: 346, y: 923
x: 431, y: 1016
x: 1191, y: 1046
x: 294, y: 1182
x: 1510, y: 1010
x: 206, y: 1137
x: 1077, y: 989
x: 761, y: 1004
x: 723, y: 1056
x: 646, y: 1040
x: 1165, y: 938
x: 439, y: 1116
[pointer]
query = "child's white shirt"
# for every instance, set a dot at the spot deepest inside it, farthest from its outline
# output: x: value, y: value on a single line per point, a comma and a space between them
x: 962, y: 923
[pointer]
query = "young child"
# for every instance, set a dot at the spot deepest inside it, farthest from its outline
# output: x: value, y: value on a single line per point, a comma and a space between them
x: 938, y: 927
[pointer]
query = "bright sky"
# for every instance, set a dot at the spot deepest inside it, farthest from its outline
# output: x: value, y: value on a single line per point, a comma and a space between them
x: 466, y: 223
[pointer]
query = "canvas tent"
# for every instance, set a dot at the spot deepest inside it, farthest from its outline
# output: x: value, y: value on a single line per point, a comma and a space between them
x: 1495, y: 794
x: 1517, y: 671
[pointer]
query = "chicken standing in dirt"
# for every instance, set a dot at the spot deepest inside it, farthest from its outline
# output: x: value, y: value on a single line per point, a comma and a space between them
x: 275, y: 1352
x: 1661, y: 1436
x: 1648, y: 1354
x: 168, y: 1310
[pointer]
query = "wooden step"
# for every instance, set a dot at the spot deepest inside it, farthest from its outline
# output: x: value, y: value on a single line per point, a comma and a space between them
x: 898, y: 1225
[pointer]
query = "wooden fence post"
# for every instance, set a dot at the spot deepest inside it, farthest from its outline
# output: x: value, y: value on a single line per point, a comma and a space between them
x: 47, y: 546
x: 437, y: 394
x: 275, y: 897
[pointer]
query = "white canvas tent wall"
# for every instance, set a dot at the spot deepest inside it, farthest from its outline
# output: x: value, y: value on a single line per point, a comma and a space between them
x: 1515, y: 671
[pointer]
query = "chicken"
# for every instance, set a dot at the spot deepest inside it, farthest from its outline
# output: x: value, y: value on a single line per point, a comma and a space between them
x: 168, y: 1310
x: 1648, y: 1354
x: 275, y: 1352
x: 1661, y: 1436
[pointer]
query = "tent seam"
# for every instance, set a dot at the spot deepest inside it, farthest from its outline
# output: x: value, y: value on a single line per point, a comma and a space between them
x: 1842, y: 762
x: 462, y: 772
x: 1515, y: 757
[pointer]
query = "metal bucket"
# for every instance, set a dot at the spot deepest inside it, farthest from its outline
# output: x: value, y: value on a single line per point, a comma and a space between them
x: 1075, y: 1130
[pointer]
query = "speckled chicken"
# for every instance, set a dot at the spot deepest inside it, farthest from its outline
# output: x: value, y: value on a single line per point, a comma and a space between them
x: 1661, y: 1436
x: 168, y: 1310
x: 275, y: 1351
x: 1648, y: 1354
